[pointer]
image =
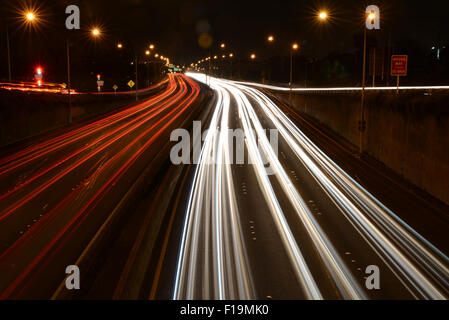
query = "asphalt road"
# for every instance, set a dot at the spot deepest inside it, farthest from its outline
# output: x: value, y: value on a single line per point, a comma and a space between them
x: 306, y: 230
x: 57, y: 193
x: 285, y: 221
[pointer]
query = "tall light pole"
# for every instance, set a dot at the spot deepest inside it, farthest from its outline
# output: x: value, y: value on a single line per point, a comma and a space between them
x: 95, y: 33
x: 293, y: 48
x: 137, y: 77
x: 9, y: 54
x: 362, y: 124
x: 28, y: 18
x: 69, y: 86
x: 231, y: 56
x: 270, y: 40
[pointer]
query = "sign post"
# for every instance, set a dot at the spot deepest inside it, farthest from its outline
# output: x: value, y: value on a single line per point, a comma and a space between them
x: 100, y: 83
x: 115, y: 87
x: 399, y: 68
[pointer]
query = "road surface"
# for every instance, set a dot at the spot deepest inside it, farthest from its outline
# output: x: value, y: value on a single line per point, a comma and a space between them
x: 57, y: 193
x: 288, y: 222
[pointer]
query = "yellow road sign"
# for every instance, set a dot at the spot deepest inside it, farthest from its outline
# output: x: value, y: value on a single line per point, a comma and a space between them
x: 131, y: 83
x: 115, y: 87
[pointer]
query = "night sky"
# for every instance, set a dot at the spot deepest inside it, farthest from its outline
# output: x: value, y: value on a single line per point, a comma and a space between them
x: 175, y: 25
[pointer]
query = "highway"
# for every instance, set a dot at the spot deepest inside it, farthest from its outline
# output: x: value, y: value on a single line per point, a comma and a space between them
x: 265, y: 214
x: 288, y: 222
x: 56, y: 193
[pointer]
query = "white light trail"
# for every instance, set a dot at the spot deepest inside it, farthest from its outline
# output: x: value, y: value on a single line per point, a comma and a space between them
x: 213, y: 263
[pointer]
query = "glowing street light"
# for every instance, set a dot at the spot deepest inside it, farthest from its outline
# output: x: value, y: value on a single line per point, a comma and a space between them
x: 270, y: 38
x: 156, y: 55
x: 223, y: 45
x: 95, y: 32
x: 147, y: 52
x: 151, y: 46
x: 323, y: 15
x: 295, y: 46
x: 253, y: 56
x: 231, y: 55
x: 119, y: 46
x: 30, y: 16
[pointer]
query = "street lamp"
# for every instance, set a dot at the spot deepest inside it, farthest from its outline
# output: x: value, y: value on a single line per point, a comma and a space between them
x: 270, y: 38
x: 119, y: 46
x: 323, y: 15
x: 371, y: 16
x: 151, y: 46
x: 147, y: 52
x: 294, y: 47
x: 253, y: 56
x: 29, y: 17
x: 96, y: 32
x: 223, y: 45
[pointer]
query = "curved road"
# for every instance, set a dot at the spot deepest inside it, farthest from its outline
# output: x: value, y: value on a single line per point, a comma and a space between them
x: 288, y: 222
x: 57, y: 193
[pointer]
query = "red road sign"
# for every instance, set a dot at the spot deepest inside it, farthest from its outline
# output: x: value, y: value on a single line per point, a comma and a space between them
x: 399, y: 65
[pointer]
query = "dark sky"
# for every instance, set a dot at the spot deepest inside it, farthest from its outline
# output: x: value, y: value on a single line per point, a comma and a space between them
x: 175, y: 25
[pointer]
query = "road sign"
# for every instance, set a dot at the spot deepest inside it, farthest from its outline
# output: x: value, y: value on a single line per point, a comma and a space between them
x: 100, y: 83
x: 131, y: 83
x: 115, y: 87
x: 399, y: 65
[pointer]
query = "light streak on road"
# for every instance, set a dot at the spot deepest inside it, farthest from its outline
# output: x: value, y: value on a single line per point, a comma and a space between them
x: 401, y: 88
x: 76, y: 177
x: 418, y: 265
x: 212, y: 222
x: 36, y: 87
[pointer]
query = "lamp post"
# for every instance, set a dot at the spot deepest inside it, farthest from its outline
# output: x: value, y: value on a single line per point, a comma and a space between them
x: 28, y: 17
x: 231, y: 56
x: 9, y: 54
x: 95, y: 33
x: 270, y: 40
x: 294, y: 47
x: 137, y: 76
x: 69, y: 87
x: 362, y: 124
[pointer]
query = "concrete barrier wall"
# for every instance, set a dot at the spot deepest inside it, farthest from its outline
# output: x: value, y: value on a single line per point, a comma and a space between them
x: 24, y: 115
x: 408, y: 132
